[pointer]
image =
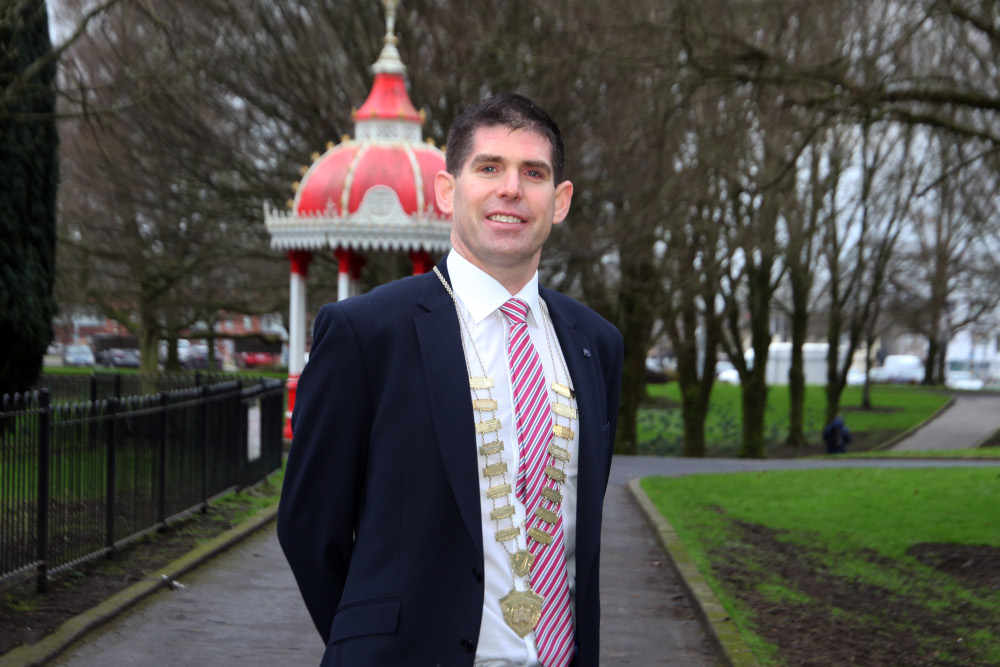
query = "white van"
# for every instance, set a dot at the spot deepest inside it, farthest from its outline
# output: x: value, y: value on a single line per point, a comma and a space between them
x: 899, y: 369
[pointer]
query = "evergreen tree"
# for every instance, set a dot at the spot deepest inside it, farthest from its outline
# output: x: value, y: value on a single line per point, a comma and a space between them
x: 28, y: 180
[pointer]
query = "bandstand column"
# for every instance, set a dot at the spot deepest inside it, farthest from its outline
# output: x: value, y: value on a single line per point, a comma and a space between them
x: 299, y: 260
x: 343, y: 256
x: 421, y: 260
x: 357, y: 264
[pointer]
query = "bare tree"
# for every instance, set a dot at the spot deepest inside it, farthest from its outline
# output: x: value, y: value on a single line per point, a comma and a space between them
x: 867, y: 221
x: 804, y: 218
x: 695, y: 260
x: 924, y: 62
x: 149, y: 229
x: 949, y: 256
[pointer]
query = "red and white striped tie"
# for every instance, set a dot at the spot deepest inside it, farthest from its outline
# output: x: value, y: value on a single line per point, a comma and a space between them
x: 554, y: 632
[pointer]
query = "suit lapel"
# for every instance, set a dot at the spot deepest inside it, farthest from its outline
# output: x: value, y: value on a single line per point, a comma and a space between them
x: 578, y: 349
x: 440, y: 341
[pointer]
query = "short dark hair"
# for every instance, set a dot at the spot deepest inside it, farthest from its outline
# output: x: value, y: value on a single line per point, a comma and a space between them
x: 505, y: 110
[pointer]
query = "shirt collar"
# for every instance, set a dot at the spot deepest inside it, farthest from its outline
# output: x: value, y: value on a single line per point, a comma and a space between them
x: 482, y: 294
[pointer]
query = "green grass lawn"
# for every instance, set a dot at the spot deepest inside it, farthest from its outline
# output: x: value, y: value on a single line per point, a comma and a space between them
x: 978, y: 453
x: 895, y: 409
x: 851, y: 549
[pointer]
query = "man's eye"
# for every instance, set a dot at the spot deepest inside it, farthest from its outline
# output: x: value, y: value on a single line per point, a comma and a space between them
x: 534, y: 173
x: 489, y: 169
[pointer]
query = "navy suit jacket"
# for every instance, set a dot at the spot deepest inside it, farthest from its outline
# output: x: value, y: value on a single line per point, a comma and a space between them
x: 380, y: 511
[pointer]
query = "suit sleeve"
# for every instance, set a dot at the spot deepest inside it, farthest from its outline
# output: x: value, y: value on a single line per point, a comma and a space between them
x: 614, y: 389
x: 615, y: 383
x: 325, y: 473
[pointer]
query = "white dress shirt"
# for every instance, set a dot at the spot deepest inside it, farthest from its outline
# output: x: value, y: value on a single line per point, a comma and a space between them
x: 479, y: 299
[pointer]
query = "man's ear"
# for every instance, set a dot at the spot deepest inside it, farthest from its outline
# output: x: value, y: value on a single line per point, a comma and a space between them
x: 564, y: 195
x: 444, y: 188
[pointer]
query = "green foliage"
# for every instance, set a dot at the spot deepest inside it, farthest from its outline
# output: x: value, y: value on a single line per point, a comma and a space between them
x: 878, y: 508
x: 247, y: 502
x: 19, y: 605
x: 855, y: 524
x: 898, y: 408
x: 977, y: 453
x: 28, y: 181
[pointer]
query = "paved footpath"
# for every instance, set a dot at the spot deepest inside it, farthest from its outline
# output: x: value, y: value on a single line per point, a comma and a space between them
x: 970, y: 419
x: 243, y: 608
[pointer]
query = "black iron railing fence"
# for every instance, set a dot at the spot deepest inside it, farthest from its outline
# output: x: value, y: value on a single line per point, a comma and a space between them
x: 98, y: 386
x: 81, y: 479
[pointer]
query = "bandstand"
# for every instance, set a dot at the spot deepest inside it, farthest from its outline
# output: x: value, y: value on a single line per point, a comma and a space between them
x: 372, y: 192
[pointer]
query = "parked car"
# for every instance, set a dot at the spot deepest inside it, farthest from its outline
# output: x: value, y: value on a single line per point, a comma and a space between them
x: 255, y: 359
x: 78, y: 355
x: 121, y: 357
x: 183, y: 351
x: 729, y: 376
x: 198, y: 357
x: 963, y: 380
x: 898, y: 369
x: 722, y: 366
x: 855, y: 376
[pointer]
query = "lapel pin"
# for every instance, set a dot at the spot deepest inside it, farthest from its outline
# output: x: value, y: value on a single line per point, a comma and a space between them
x: 586, y: 353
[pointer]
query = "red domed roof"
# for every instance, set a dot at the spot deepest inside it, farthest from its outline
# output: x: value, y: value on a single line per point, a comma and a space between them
x: 337, y: 183
x: 388, y: 100
x: 377, y: 189
x: 387, y: 150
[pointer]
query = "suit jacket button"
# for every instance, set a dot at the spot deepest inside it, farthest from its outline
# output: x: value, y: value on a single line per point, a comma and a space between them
x: 586, y: 353
x: 477, y: 574
x: 468, y: 645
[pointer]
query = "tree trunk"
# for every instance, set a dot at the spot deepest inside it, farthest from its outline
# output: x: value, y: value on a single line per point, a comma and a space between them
x: 149, y: 339
x: 695, y: 384
x: 797, y: 380
x: 941, y: 366
x: 632, y: 393
x: 635, y: 320
x: 930, y: 365
x: 754, y: 395
x: 695, y: 410
x: 866, y: 391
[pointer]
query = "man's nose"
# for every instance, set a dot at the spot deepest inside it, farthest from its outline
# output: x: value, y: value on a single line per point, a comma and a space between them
x: 510, y: 185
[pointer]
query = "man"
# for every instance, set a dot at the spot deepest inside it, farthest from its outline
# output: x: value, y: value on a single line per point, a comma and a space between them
x: 440, y: 508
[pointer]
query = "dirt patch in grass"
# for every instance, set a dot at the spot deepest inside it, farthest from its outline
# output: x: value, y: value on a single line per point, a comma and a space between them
x: 817, y: 616
x: 27, y: 616
x: 977, y: 566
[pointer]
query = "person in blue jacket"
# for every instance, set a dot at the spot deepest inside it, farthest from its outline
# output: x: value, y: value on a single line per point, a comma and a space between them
x: 836, y: 435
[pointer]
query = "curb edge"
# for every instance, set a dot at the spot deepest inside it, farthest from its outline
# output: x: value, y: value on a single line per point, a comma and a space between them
x: 710, y: 613
x: 80, y: 625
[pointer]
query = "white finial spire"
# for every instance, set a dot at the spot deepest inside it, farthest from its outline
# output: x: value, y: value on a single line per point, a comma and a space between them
x: 389, y: 61
x: 390, y: 19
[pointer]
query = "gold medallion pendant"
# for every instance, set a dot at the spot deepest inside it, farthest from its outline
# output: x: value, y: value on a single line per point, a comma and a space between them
x: 521, y: 562
x: 521, y: 610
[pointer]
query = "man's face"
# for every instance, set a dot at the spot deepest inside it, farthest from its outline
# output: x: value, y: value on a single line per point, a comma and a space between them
x: 504, y: 202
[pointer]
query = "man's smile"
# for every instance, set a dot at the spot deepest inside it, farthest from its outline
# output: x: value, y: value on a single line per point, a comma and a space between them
x: 510, y: 219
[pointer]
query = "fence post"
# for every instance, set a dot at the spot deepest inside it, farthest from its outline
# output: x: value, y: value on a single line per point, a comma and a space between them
x: 92, y: 412
x: 112, y: 472
x: 44, y: 473
x: 203, y: 438
x: 239, y: 449
x: 162, y: 509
